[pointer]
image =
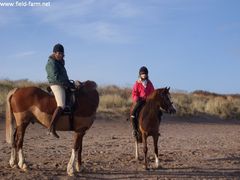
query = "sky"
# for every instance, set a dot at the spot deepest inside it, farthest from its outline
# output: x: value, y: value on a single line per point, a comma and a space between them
x: 186, y: 44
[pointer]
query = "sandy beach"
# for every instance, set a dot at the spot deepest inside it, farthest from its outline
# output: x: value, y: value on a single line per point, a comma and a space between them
x: 195, y: 148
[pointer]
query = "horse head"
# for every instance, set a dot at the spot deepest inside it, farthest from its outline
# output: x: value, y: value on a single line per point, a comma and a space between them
x: 163, y: 97
x: 87, y: 85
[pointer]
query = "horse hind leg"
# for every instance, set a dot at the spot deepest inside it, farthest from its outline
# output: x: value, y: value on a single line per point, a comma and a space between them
x: 20, y: 131
x: 136, y: 150
x: 13, y: 158
x: 145, y: 150
x: 155, y: 142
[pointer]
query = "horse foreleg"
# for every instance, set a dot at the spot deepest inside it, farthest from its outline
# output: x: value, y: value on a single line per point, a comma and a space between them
x: 145, y: 149
x: 19, y: 142
x: 136, y: 150
x: 79, y: 161
x: 77, y: 148
x: 70, y: 169
x: 155, y: 141
x: 78, y: 145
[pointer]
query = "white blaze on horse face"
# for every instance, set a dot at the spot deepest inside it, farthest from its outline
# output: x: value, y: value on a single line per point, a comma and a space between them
x: 70, y: 169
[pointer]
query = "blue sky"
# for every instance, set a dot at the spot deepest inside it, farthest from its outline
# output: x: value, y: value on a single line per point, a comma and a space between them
x: 186, y: 44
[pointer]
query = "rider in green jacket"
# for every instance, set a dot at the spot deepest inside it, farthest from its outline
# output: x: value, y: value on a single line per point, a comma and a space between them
x: 56, y: 72
x: 58, y: 79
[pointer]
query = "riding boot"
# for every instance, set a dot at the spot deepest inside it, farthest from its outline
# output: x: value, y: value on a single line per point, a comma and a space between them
x: 135, y: 127
x: 56, y: 115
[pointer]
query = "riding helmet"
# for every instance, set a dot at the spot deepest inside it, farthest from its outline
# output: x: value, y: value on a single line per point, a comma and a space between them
x: 58, y: 48
x: 143, y: 70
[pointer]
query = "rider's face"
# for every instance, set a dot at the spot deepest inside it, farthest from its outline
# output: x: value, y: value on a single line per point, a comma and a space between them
x: 143, y: 76
x: 58, y: 55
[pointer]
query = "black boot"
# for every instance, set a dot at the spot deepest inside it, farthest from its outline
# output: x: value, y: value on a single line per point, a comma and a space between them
x: 135, y: 126
x: 56, y: 115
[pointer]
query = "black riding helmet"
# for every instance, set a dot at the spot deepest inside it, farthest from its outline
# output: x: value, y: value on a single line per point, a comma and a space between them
x: 143, y: 70
x: 58, y: 48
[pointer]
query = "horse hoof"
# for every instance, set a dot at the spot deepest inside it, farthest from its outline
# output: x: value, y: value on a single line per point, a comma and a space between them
x: 146, y: 168
x: 13, y: 165
x: 79, y: 168
x: 70, y: 172
x: 23, y: 167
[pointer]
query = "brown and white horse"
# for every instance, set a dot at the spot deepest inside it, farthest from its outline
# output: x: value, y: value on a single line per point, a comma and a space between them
x: 28, y: 103
x: 149, y: 120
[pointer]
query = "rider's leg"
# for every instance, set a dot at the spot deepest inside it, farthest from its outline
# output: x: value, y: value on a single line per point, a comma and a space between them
x: 134, y: 118
x: 60, y: 96
x: 136, y: 107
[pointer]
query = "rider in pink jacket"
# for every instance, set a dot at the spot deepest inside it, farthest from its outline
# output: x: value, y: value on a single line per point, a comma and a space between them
x: 142, y: 88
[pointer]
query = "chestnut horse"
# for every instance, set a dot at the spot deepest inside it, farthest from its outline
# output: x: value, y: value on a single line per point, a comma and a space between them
x: 31, y: 103
x: 150, y: 118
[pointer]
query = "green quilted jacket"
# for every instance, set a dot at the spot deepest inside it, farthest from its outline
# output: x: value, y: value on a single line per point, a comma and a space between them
x: 56, y: 72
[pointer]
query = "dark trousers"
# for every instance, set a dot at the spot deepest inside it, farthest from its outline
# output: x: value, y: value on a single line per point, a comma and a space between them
x: 135, y: 113
x: 137, y: 108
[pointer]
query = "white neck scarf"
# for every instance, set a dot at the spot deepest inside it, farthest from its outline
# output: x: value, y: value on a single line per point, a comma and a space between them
x: 144, y: 83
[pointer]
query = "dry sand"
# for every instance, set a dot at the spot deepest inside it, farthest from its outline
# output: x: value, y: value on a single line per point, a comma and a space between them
x: 194, y: 148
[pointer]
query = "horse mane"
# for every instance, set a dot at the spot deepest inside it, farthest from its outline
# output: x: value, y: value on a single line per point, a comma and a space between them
x: 151, y: 106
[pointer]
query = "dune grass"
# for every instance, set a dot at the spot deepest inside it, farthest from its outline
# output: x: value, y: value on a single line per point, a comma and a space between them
x: 117, y: 101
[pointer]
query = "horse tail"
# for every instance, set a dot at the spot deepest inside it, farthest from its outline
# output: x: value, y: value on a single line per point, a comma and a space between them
x: 9, y: 117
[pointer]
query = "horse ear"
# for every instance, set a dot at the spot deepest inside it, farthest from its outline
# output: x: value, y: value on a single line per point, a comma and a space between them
x: 168, y: 88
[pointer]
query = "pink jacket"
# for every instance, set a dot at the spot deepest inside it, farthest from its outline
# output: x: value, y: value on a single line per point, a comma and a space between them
x: 139, y: 91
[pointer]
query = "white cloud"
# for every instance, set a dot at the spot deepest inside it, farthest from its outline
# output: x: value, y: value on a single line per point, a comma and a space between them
x: 21, y: 55
x: 90, y: 19
x: 7, y: 17
x: 123, y: 9
x: 97, y: 31
x: 61, y: 11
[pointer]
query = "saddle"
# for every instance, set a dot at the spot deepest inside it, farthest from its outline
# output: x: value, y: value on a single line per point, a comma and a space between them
x: 70, y: 99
